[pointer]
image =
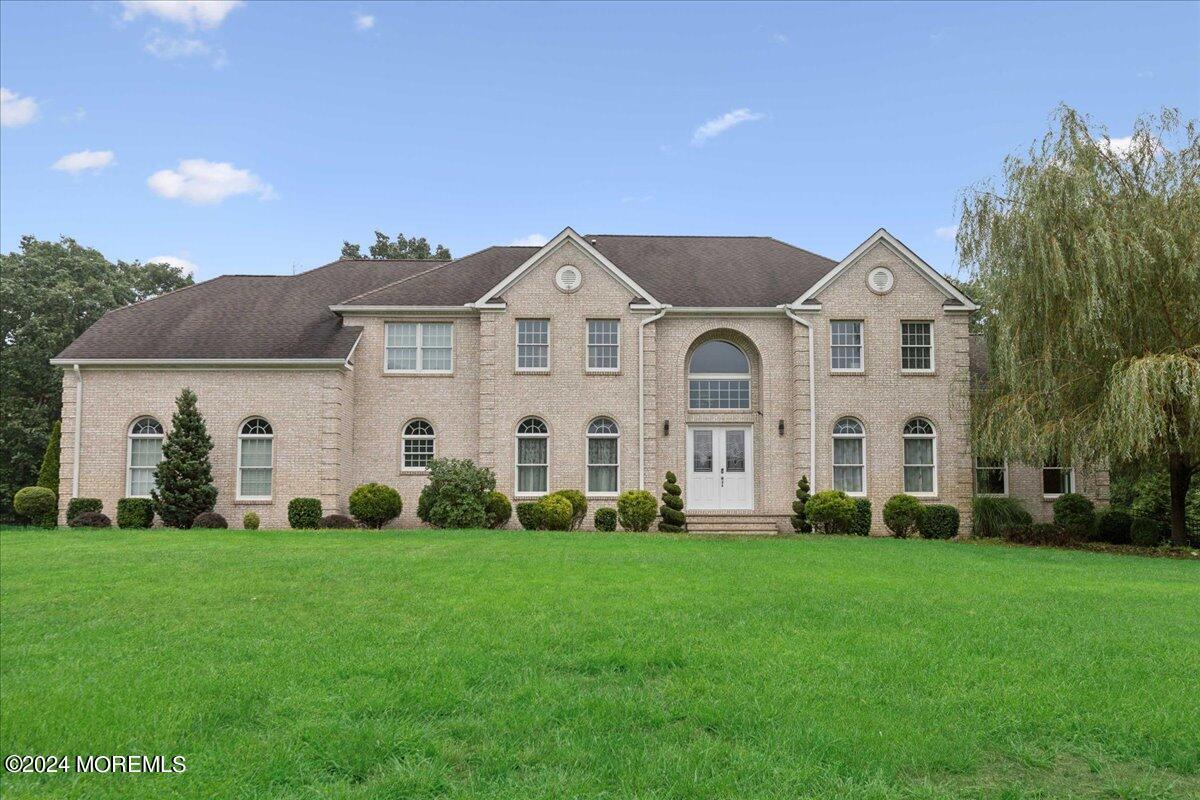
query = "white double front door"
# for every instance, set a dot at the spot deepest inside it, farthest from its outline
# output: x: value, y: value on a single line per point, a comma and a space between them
x: 720, y: 466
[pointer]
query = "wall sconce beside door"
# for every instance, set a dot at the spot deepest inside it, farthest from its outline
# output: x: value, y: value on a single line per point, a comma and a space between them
x: 666, y: 427
x: 781, y: 427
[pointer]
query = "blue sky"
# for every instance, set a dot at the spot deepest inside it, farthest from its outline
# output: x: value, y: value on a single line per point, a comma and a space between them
x: 256, y: 137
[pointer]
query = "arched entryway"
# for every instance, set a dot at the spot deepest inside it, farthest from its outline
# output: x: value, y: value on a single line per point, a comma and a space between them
x: 721, y: 395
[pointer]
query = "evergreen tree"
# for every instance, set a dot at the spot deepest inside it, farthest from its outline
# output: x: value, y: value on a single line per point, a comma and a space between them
x: 48, y: 475
x: 183, y: 479
x: 800, y: 519
x: 673, y: 519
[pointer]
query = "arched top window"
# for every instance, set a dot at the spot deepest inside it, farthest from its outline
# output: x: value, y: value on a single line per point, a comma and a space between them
x: 918, y: 426
x: 417, y: 444
x: 256, y: 459
x: 849, y: 456
x: 718, y: 376
x: 256, y: 426
x: 146, y: 426
x: 602, y: 426
x: 143, y: 454
x: 848, y: 426
x: 603, y: 456
x: 532, y: 426
x: 920, y: 457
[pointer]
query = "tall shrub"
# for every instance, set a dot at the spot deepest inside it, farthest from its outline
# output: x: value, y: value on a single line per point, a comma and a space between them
x: 183, y: 479
x: 673, y: 518
x: 830, y: 511
x: 799, y: 518
x: 636, y: 509
x: 458, y: 493
x: 862, y: 517
x: 48, y: 474
x: 499, y: 509
x: 579, y: 505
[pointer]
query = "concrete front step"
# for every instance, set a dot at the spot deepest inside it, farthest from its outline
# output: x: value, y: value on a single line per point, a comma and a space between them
x: 733, y: 523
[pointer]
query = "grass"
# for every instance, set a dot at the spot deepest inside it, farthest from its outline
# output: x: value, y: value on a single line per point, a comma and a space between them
x: 356, y: 664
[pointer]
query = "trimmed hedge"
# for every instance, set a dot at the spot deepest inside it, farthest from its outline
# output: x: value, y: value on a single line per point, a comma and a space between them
x: 375, y: 505
x: 673, y: 518
x: 304, y: 513
x: 250, y: 521
x: 135, y: 512
x: 37, y: 504
x: 81, y: 505
x: 861, y: 526
x: 800, y: 521
x: 636, y: 509
x: 338, y: 522
x: 530, y: 516
x: 579, y: 505
x: 938, y: 521
x: 606, y: 519
x: 499, y: 509
x: 1147, y: 532
x: 209, y: 520
x: 1113, y: 526
x: 1077, y: 514
x: 1039, y: 533
x: 91, y: 519
x: 556, y: 513
x: 991, y: 516
x: 902, y: 515
x: 830, y: 511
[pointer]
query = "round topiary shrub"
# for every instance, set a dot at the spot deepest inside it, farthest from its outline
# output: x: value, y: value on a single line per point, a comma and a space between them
x: 1112, y: 526
x: 530, y: 516
x: 135, y: 512
x: 800, y: 522
x: 938, y: 521
x: 902, y: 515
x: 250, y: 521
x: 579, y: 505
x: 499, y: 510
x: 80, y: 505
x: 337, y: 522
x: 37, y: 504
x: 636, y: 509
x: 673, y: 518
x: 209, y: 520
x: 91, y: 519
x: 606, y: 519
x: 556, y: 513
x: 375, y: 505
x: 1076, y: 514
x: 862, y: 517
x: 830, y: 511
x: 1146, y: 532
x: 304, y: 513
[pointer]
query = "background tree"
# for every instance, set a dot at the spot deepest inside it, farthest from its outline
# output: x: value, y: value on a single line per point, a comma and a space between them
x: 183, y: 483
x: 50, y: 292
x: 402, y: 248
x: 1088, y: 259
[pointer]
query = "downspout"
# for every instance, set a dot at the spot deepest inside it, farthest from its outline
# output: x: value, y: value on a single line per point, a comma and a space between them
x: 78, y: 430
x: 642, y: 395
x: 812, y: 398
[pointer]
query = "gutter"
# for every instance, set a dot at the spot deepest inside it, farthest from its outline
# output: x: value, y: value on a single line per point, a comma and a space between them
x: 812, y: 399
x: 78, y: 430
x: 642, y: 393
x: 198, y: 362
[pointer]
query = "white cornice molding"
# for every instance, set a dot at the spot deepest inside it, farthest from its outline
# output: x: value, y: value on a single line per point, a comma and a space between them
x: 392, y: 310
x: 206, y: 363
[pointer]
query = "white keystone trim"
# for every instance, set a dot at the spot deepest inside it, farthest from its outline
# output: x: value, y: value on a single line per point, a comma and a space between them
x: 489, y: 299
x: 916, y: 262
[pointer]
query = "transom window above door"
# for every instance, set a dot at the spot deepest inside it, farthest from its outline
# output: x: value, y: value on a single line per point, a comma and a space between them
x: 718, y: 377
x: 419, y: 347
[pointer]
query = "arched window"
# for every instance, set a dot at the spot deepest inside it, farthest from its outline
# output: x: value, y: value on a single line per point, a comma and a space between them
x: 417, y: 445
x: 145, y: 451
x: 603, y: 456
x: 533, y: 456
x: 849, y: 456
x: 718, y: 376
x: 920, y: 457
x: 255, y: 459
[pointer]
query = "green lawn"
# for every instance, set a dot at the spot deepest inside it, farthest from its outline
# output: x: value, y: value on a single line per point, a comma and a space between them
x: 479, y: 664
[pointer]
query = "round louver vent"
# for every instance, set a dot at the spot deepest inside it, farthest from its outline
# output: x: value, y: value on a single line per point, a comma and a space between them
x: 568, y: 278
x: 880, y: 280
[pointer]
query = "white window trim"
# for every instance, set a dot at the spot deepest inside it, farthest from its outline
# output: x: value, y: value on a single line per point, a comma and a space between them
x: 517, y: 346
x: 419, y: 347
x: 129, y: 437
x: 587, y: 346
x: 904, y: 460
x: 405, y: 438
x: 1004, y: 463
x: 1042, y: 479
x: 932, y: 347
x: 238, y: 476
x: 587, y: 461
x: 517, y: 460
x: 834, y: 465
x: 862, y: 349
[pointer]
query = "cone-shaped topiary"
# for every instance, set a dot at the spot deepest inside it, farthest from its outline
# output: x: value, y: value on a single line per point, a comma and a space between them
x: 48, y: 474
x: 673, y: 518
x: 183, y: 479
x: 799, y: 518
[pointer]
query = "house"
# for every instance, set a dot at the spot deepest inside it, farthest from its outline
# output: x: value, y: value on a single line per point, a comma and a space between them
x: 592, y: 362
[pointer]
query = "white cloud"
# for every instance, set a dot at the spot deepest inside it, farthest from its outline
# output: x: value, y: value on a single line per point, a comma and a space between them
x: 715, y: 127
x: 84, y: 160
x: 184, y: 266
x: 203, y: 182
x: 1121, y: 147
x: 532, y: 240
x: 170, y: 47
x: 206, y: 14
x: 780, y: 38
x: 947, y: 232
x: 16, y: 110
x: 363, y: 22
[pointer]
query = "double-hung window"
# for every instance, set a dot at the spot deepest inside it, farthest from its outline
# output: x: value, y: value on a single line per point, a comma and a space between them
x: 991, y: 476
x: 419, y: 347
x: 849, y: 456
x: 603, y: 456
x: 916, y: 346
x: 417, y: 445
x: 533, y: 345
x: 533, y: 456
x: 603, y: 345
x: 256, y: 459
x: 145, y: 451
x: 846, y: 345
x: 920, y: 457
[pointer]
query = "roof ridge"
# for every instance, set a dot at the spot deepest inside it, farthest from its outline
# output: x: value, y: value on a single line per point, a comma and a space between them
x: 357, y: 260
x: 406, y: 278
x: 801, y: 249
x: 679, y: 236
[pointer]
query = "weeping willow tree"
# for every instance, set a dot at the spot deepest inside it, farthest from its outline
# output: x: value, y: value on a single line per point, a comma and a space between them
x: 1087, y: 258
